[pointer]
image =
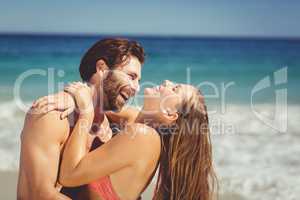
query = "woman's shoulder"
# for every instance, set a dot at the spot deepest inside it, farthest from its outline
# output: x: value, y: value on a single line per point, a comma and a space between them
x: 145, y: 138
x: 142, y: 131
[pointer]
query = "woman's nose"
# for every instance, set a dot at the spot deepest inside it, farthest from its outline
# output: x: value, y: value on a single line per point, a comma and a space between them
x: 167, y: 83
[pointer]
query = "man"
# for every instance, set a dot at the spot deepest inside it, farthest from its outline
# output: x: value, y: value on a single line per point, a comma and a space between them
x: 44, y: 135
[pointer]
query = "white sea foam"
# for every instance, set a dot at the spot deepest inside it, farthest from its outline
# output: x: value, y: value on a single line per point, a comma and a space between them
x: 252, y: 160
x: 256, y: 161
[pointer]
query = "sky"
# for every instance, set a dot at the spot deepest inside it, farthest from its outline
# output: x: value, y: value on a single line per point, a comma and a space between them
x: 249, y: 18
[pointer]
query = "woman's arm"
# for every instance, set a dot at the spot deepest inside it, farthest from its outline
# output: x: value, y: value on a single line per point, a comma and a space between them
x: 75, y: 147
x: 124, y: 150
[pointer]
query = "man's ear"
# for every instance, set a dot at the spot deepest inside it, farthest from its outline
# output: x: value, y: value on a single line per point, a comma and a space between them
x: 101, y: 66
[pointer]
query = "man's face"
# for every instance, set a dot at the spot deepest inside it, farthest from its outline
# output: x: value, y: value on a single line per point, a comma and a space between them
x: 122, y: 83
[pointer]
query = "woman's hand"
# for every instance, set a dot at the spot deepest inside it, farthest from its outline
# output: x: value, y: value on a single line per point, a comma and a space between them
x: 62, y: 101
x: 83, y: 97
x: 105, y: 133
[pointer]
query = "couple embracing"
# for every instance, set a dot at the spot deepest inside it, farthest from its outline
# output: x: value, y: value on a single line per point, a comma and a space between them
x: 83, y: 143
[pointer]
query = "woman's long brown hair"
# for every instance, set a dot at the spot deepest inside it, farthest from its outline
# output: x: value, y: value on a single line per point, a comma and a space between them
x: 186, y: 168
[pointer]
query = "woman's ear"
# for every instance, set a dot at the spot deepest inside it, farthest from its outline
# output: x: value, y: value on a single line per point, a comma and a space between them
x: 101, y: 66
x: 170, y: 116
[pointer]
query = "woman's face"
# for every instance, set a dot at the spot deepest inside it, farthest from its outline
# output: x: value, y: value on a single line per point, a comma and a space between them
x: 166, y: 98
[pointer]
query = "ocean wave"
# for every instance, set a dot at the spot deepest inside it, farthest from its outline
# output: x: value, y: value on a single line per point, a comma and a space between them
x: 252, y: 159
x: 256, y: 161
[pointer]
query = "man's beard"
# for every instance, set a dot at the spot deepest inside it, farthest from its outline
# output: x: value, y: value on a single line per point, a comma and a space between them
x: 114, y: 81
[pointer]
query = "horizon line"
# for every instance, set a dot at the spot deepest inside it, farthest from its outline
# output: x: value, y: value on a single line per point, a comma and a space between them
x: 83, y: 34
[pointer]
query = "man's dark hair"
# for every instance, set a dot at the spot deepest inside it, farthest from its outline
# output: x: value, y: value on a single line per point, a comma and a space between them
x: 113, y: 51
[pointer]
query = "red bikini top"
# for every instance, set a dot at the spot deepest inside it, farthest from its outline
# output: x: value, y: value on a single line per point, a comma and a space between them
x: 104, y: 189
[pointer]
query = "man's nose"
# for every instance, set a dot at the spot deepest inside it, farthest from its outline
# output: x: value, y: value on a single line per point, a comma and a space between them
x: 135, y: 87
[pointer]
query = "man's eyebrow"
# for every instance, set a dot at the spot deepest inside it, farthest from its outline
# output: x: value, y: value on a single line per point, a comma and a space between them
x: 135, y: 75
x: 132, y: 73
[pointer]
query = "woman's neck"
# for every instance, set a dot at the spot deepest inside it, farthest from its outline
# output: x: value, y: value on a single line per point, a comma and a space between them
x: 148, y: 118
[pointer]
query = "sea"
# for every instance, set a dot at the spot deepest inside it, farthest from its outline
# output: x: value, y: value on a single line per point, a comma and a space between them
x: 250, y: 86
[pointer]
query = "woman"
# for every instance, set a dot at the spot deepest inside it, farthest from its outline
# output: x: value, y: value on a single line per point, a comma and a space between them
x: 171, y: 131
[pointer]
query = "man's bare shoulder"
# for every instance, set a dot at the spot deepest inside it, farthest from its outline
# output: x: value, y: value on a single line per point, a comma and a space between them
x: 46, y: 125
x: 36, y: 115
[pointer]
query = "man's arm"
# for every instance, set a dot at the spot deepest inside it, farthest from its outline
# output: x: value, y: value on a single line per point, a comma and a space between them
x: 41, y: 142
